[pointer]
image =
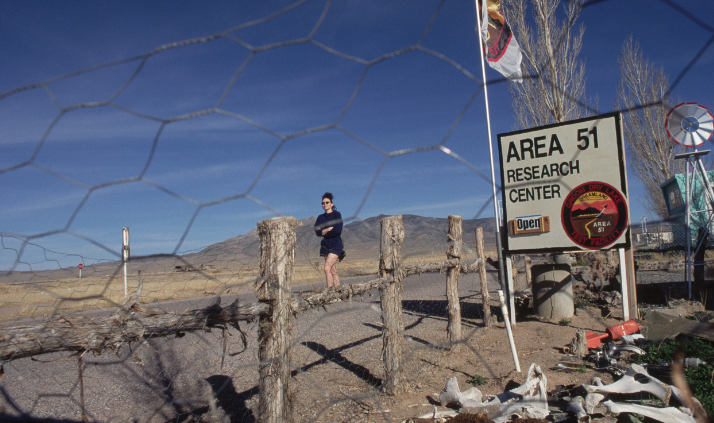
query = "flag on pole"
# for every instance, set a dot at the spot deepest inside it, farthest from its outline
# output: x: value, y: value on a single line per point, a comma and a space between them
x: 502, y: 50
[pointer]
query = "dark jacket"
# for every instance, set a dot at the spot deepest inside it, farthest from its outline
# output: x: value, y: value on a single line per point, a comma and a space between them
x: 331, y: 241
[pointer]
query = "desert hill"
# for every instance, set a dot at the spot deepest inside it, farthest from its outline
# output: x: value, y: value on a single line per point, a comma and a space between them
x: 361, y: 238
x: 423, y: 236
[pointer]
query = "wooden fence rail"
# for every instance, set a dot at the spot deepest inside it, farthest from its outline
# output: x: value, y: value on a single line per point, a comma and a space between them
x: 275, y: 310
x: 76, y: 332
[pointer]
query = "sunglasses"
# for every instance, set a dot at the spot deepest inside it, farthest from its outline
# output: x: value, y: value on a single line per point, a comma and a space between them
x: 325, y: 202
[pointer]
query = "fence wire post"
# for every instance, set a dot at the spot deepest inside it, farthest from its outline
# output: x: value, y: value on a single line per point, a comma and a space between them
x: 527, y: 262
x: 390, y: 263
x: 82, y: 404
x: 277, y: 260
x: 125, y: 256
x: 484, y: 281
x: 453, y: 252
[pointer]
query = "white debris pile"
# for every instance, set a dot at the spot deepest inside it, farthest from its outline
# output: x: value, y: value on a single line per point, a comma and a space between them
x: 530, y: 400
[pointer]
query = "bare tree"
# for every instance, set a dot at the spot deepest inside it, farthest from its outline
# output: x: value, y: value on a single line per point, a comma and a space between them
x: 643, y: 98
x: 553, y: 89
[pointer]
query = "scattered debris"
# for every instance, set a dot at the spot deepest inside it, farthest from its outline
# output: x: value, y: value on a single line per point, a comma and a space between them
x: 579, y: 345
x: 529, y: 401
x: 613, y: 333
x: 629, y: 384
x: 665, y: 415
x: 576, y: 407
x: 662, y: 324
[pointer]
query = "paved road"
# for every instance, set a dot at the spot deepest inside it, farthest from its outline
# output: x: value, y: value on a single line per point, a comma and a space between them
x: 162, y: 378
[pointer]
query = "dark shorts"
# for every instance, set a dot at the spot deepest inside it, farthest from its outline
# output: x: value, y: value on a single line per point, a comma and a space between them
x: 331, y: 245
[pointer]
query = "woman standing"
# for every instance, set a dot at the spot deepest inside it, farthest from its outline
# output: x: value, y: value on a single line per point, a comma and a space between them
x: 329, y: 226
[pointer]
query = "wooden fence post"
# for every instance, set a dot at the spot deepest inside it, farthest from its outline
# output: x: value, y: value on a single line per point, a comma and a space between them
x: 484, y: 281
x: 390, y: 263
x: 454, y: 237
x: 277, y: 258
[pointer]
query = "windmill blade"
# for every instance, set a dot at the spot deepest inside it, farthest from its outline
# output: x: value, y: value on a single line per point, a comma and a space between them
x: 688, y: 140
x: 677, y: 134
x: 691, y: 109
x: 699, y: 136
x: 702, y: 114
x: 706, y: 127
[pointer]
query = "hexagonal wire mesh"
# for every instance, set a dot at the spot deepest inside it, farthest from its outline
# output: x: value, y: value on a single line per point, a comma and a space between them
x: 275, y: 142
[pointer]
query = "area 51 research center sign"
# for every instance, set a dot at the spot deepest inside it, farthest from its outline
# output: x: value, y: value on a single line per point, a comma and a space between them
x: 564, y: 186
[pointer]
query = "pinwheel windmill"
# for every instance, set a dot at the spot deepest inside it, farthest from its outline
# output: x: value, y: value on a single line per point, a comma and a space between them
x: 690, y: 125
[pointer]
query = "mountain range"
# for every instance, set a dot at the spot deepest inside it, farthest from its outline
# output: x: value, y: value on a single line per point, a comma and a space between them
x: 423, y: 236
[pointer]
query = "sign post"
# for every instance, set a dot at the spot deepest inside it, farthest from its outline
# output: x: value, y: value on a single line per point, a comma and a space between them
x: 564, y: 188
x: 80, y: 267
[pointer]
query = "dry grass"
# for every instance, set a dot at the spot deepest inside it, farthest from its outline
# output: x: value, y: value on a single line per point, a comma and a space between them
x: 41, y: 299
x: 675, y: 255
x: 67, y: 295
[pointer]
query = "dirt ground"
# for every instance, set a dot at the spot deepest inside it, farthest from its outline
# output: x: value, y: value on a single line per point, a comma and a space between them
x: 335, y: 357
x: 429, y: 362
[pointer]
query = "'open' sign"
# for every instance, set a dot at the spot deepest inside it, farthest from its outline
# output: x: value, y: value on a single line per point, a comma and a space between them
x: 529, y: 225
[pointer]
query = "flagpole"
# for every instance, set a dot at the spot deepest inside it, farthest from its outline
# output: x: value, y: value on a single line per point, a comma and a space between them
x: 501, y: 266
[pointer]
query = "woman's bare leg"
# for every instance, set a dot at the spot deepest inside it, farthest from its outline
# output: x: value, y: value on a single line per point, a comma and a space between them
x: 331, y: 271
x: 335, y: 279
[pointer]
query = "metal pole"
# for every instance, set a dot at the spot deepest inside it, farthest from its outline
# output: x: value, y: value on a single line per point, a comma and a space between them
x: 501, y: 267
x: 687, y: 233
x: 707, y: 188
x: 504, y: 310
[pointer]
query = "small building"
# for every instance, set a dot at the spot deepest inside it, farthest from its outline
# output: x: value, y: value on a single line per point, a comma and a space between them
x: 656, y: 235
x: 674, y: 191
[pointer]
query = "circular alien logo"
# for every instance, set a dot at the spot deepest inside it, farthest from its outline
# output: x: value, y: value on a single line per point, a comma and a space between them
x: 594, y: 215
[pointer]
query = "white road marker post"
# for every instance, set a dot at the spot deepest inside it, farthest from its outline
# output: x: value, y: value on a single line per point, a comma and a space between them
x: 624, y: 283
x: 511, y: 291
x: 125, y: 255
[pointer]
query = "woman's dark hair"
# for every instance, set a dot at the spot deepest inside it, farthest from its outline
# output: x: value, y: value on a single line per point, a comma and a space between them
x: 328, y: 195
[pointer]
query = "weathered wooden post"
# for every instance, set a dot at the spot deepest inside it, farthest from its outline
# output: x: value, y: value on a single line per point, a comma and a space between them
x: 454, y: 237
x: 390, y: 263
x: 277, y: 258
x: 484, y: 281
x: 528, y: 264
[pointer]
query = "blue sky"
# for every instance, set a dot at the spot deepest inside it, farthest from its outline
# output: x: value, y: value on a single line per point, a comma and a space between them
x: 199, y: 142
